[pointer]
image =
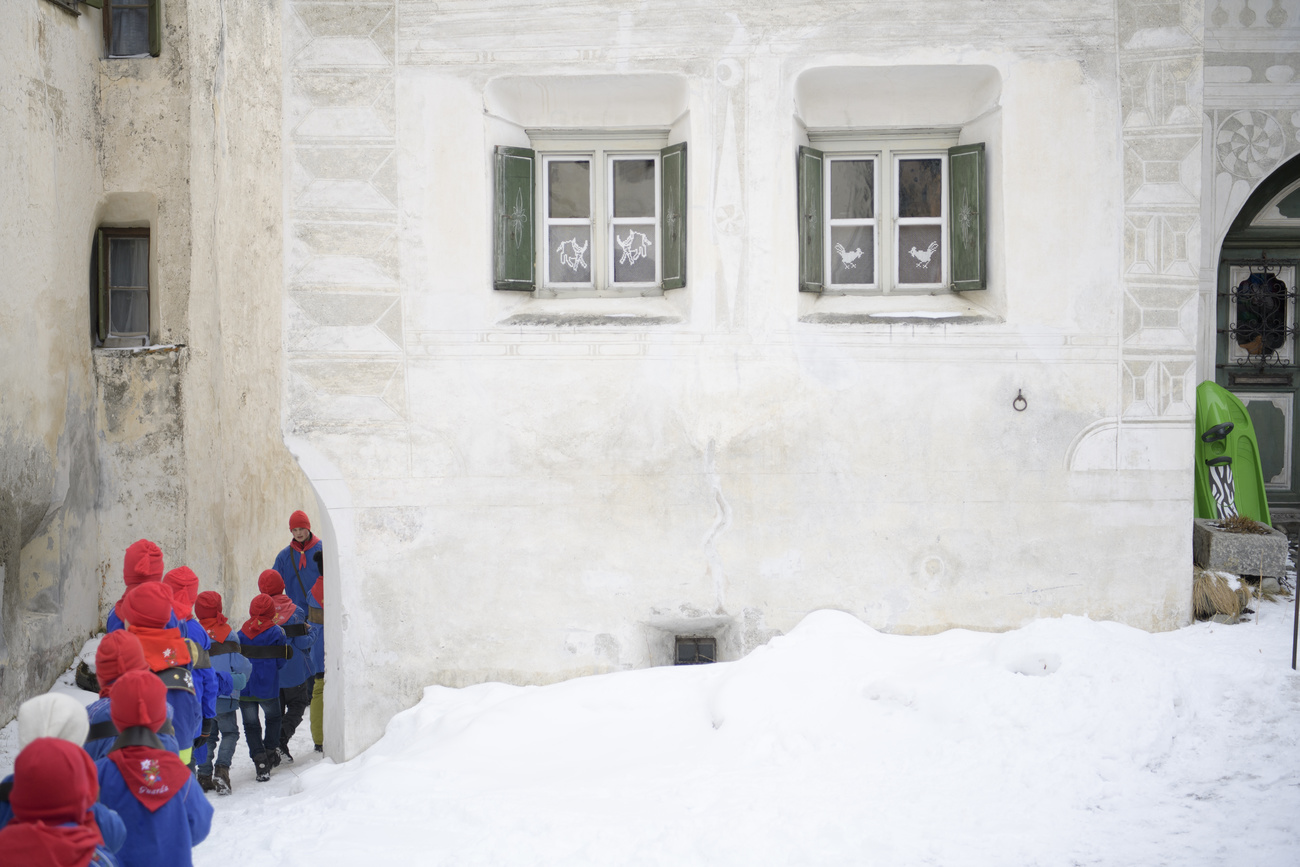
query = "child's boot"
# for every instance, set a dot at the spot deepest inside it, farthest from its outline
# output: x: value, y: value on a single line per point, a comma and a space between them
x: 263, y: 763
x: 221, y: 780
x: 205, y: 782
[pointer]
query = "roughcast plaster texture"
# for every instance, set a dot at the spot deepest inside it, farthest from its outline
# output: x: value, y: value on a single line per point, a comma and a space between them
x: 179, y: 441
x: 529, y: 488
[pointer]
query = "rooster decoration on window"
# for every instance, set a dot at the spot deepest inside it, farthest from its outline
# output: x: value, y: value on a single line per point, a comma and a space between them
x: 923, y: 256
x: 848, y: 257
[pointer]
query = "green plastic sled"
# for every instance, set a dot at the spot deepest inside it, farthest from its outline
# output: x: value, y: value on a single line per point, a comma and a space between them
x: 1227, y: 457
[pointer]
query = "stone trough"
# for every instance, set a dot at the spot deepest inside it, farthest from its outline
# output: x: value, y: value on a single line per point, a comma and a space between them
x: 1245, y: 554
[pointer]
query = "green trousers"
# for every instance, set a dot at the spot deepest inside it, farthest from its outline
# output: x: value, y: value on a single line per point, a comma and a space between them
x: 318, y: 711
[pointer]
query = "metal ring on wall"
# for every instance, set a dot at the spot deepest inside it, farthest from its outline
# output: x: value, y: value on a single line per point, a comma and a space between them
x: 1019, y: 404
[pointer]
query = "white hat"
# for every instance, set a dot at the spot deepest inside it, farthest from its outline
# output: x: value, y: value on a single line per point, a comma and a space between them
x: 53, y: 715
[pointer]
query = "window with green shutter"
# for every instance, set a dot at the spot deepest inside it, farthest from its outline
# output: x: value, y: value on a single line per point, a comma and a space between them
x: 969, y: 232
x: 591, y: 213
x: 513, y: 242
x: 120, y: 291
x: 886, y: 214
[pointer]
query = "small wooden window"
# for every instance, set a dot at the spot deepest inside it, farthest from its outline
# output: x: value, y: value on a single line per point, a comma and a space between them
x: 133, y: 28
x: 696, y: 651
x: 122, y: 286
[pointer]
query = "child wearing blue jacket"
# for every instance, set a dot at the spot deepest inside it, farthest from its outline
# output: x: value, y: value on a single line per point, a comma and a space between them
x: 163, y: 808
x: 146, y: 610
x: 184, y: 585
x: 298, y: 674
x: 265, y: 646
x: 118, y: 653
x: 233, y: 670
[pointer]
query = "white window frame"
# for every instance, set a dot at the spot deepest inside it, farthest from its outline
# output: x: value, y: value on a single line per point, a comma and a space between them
x: 603, y: 148
x: 888, y: 148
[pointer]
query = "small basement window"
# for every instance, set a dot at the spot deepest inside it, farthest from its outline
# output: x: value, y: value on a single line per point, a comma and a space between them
x: 696, y: 651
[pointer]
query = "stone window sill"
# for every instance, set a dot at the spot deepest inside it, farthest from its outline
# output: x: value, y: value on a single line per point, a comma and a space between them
x: 944, y: 309
x: 585, y: 312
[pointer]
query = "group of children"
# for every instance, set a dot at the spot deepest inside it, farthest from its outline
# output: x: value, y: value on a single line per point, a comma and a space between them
x: 121, y: 781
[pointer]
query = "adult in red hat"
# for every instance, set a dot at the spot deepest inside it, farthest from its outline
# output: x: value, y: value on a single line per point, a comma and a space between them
x: 301, y: 565
x: 55, y: 785
x: 164, y: 809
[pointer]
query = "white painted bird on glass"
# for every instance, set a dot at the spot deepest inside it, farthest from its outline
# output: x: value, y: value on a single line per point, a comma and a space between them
x: 848, y: 257
x: 923, y: 257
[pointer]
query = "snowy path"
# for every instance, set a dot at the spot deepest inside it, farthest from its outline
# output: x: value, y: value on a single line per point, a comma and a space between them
x: 1065, y: 742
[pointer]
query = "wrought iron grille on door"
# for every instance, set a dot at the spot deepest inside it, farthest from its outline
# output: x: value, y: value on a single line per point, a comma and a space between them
x: 1261, y: 330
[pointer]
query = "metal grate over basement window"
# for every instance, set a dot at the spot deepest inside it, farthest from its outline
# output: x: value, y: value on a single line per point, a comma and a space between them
x: 696, y: 651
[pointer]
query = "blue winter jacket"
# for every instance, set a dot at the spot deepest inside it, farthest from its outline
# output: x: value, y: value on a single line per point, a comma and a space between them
x: 98, y: 713
x: 205, y: 682
x: 297, y: 586
x: 160, y: 839
x: 110, y: 824
x: 264, y: 683
x: 232, y: 671
x: 300, y: 667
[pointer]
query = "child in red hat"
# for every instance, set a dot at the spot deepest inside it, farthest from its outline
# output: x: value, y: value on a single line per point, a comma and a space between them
x: 55, y: 786
x: 164, y: 809
x: 265, y: 646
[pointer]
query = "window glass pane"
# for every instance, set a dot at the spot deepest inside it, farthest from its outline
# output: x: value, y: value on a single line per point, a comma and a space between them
x: 130, y: 31
x: 128, y: 262
x: 920, y: 259
x: 853, y: 189
x: 570, y: 254
x: 920, y: 188
x: 853, y: 254
x: 635, y: 262
x: 568, y: 189
x: 128, y: 311
x: 634, y: 188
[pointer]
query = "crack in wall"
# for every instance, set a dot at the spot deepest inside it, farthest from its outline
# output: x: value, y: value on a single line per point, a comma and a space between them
x: 721, y: 523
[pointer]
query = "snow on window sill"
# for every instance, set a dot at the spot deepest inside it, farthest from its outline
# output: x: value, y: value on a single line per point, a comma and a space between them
x: 947, y: 308
x: 582, y: 312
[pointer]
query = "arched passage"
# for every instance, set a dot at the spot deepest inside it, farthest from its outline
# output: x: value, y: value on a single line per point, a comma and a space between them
x: 1257, y: 355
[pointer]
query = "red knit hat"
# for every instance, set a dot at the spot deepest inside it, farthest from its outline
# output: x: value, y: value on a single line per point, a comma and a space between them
x: 270, y: 583
x: 148, y: 605
x: 299, y: 519
x: 261, y: 615
x: 185, y: 586
x: 207, y: 604
x: 118, y: 653
x: 54, y: 782
x: 143, y: 562
x: 138, y: 699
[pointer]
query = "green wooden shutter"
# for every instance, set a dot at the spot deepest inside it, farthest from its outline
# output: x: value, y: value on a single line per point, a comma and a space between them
x: 155, y: 27
x: 673, y: 161
x: 513, y: 255
x: 967, y: 222
x: 101, y: 285
x: 812, y: 253
x: 94, y: 4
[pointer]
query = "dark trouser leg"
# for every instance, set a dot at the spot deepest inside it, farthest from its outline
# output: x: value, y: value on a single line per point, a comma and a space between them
x: 272, y: 709
x: 295, y: 700
x: 253, y: 727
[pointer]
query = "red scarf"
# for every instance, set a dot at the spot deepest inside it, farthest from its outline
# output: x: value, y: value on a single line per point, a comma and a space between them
x: 218, y: 626
x: 318, y: 592
x: 254, y: 626
x: 42, y: 845
x: 284, y: 609
x: 301, y: 548
x: 163, y: 648
x: 152, y: 776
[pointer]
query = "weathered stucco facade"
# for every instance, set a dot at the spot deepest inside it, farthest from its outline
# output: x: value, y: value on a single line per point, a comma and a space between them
x: 529, y: 486
x: 179, y: 442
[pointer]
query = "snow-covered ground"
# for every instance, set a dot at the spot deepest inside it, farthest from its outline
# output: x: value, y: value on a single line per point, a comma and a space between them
x: 1065, y: 742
